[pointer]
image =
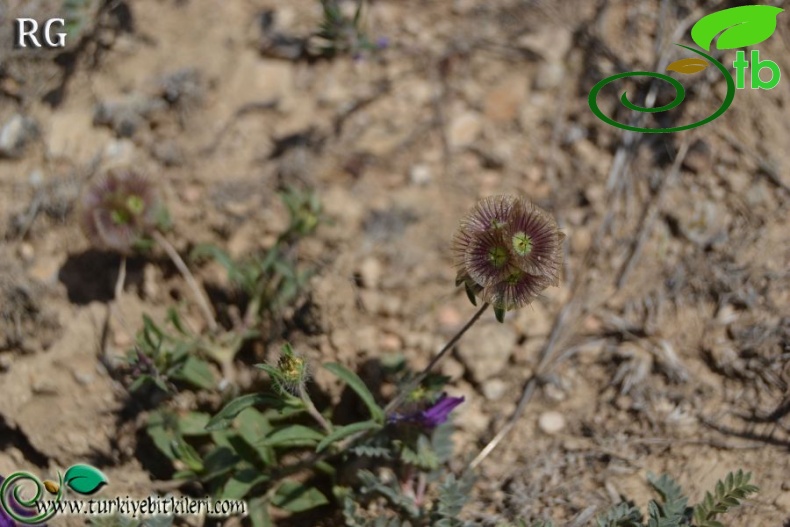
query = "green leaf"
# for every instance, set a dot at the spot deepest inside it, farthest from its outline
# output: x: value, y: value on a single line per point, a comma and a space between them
x: 499, y: 313
x: 252, y: 426
x: 424, y: 457
x: 175, y: 319
x: 470, y: 294
x: 193, y: 424
x: 258, y: 513
x: 273, y: 372
x: 297, y: 497
x: 356, y: 384
x: 84, y: 479
x: 221, y: 257
x: 152, y: 335
x: 189, y: 475
x: 241, y: 483
x: 236, y: 406
x: 294, y: 435
x: 161, y: 435
x: 741, y: 26
x: 186, y: 453
x: 346, y: 431
x: 196, y: 372
x: 140, y: 381
x: 219, y: 461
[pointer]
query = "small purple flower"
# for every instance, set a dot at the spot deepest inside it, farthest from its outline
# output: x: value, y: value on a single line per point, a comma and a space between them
x: 432, y: 416
x: 439, y: 411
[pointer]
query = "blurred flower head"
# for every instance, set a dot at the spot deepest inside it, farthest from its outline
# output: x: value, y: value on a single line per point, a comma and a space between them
x: 119, y: 209
x: 507, y: 250
x: 292, y: 371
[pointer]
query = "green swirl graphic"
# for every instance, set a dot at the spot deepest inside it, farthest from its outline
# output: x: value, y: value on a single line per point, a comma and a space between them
x: 680, y: 94
x: 31, y: 503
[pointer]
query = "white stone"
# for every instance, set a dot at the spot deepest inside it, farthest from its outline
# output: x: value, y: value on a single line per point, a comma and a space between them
x: 551, y: 422
x: 494, y: 389
x: 420, y: 175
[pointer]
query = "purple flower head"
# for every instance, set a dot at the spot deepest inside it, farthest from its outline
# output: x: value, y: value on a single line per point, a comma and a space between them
x: 119, y: 209
x: 507, y: 250
x: 432, y: 416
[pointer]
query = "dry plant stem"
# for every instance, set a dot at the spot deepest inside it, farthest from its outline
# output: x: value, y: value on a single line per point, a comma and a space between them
x: 121, y: 278
x: 392, y: 406
x: 398, y: 400
x: 118, y: 293
x: 313, y: 411
x: 197, y: 291
x: 650, y: 214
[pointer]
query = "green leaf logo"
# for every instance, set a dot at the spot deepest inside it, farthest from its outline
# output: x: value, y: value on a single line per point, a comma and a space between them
x: 741, y: 26
x: 84, y: 479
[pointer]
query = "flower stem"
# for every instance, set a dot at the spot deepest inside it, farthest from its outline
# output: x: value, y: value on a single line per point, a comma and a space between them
x: 414, y: 383
x: 197, y: 291
x: 312, y: 410
x: 121, y: 278
x: 346, y: 443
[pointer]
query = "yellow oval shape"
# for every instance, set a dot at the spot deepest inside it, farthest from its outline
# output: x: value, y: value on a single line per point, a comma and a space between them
x: 51, y: 486
x: 688, y: 66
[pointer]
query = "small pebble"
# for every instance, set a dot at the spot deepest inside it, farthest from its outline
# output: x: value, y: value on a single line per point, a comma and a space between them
x: 121, y: 339
x: 551, y: 423
x: 420, y: 175
x: 370, y: 272
x: 44, y: 387
x: 494, y: 389
x: 15, y: 134
x: 26, y: 252
x: 390, y: 342
x: 83, y: 378
x: 554, y: 392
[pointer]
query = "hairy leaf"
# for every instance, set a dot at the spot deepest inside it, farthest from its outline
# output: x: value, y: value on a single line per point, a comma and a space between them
x: 297, y: 497
x: 237, y: 405
x: 346, y: 431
